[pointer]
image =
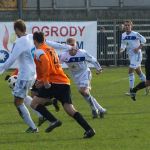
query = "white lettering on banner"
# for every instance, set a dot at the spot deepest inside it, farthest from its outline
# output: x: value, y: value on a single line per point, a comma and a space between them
x: 60, y: 31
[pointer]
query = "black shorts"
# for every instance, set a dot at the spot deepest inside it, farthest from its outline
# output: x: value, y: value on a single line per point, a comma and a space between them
x: 34, y: 89
x: 147, y: 69
x: 61, y: 92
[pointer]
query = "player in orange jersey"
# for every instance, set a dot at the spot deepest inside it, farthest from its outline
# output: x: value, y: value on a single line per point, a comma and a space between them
x: 53, y: 82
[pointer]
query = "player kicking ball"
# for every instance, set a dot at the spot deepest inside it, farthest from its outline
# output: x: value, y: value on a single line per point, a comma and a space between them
x: 12, y: 79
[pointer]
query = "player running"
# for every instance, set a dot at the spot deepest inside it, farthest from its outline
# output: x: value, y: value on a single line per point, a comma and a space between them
x: 53, y: 82
x: 133, y: 42
x: 77, y: 60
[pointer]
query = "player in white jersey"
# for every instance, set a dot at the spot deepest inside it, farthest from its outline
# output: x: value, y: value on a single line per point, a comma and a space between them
x: 77, y: 60
x: 22, y: 52
x: 133, y: 42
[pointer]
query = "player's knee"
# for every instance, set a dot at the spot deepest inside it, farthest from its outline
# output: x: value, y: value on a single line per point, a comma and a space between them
x: 69, y: 108
x: 84, y: 92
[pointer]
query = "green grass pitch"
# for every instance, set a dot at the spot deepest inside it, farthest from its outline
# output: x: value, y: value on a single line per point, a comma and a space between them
x: 126, y: 126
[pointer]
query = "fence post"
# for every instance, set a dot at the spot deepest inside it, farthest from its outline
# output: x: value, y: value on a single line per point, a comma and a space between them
x: 115, y: 49
x: 19, y: 4
x: 38, y: 9
x: 87, y: 7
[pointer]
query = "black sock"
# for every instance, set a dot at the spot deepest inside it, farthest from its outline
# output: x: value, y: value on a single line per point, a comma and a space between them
x: 82, y: 122
x: 140, y: 86
x: 45, y: 113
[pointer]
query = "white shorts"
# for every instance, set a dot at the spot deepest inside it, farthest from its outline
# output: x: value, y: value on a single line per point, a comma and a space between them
x: 22, y: 87
x: 84, y: 81
x: 135, y: 61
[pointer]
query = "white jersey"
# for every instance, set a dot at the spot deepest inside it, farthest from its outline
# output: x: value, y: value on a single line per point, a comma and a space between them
x: 131, y: 41
x: 78, y: 63
x: 23, y: 53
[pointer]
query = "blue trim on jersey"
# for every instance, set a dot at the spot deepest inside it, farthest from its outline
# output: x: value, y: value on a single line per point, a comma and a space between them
x: 4, y: 55
x: 130, y: 38
x: 32, y: 51
x: 76, y: 59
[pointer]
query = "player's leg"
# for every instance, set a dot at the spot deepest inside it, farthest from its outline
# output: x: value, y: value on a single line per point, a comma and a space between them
x: 38, y: 103
x: 41, y: 119
x: 70, y: 110
x: 131, y: 79
x: 20, y: 92
x: 140, y: 73
x: 142, y: 77
x: 27, y: 102
x: 65, y: 97
x: 142, y: 84
x: 84, y: 86
x: 97, y: 109
x: 88, y: 98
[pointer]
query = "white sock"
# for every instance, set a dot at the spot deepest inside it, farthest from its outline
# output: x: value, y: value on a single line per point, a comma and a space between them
x: 27, y: 102
x: 98, y: 106
x: 131, y: 80
x: 90, y: 102
x: 142, y: 76
x: 26, y: 116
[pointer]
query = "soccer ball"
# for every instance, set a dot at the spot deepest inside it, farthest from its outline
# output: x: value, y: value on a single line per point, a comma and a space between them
x: 12, y: 81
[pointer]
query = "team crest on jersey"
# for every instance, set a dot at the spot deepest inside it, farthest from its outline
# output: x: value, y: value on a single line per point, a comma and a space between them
x: 3, y: 56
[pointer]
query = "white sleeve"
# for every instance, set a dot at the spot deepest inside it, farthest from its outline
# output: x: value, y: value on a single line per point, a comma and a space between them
x: 57, y: 45
x: 16, y: 51
x: 141, y: 38
x: 89, y: 58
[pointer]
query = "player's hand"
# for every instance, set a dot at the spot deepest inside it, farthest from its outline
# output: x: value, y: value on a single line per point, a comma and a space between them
x: 99, y: 71
x: 136, y: 50
x: 121, y: 50
x: 47, y: 85
x: 39, y: 84
x: 7, y: 77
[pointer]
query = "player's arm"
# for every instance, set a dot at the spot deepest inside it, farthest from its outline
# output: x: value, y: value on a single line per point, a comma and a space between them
x: 57, y: 45
x: 44, y: 65
x: 16, y: 51
x: 142, y: 42
x: 123, y: 45
x: 89, y: 58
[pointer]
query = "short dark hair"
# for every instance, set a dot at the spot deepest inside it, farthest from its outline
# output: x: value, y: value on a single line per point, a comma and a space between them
x: 20, y: 25
x: 38, y: 36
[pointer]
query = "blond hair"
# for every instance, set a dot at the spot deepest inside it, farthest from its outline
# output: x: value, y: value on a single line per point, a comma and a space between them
x: 71, y: 41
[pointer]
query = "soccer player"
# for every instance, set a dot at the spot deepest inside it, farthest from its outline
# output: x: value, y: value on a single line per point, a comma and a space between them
x: 133, y: 42
x: 76, y: 61
x: 143, y: 84
x: 28, y: 99
x: 53, y: 82
x: 22, y: 51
